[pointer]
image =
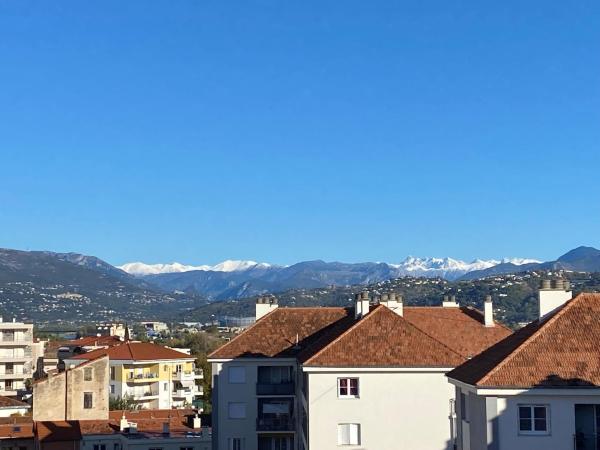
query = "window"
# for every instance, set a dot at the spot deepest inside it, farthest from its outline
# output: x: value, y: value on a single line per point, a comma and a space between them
x: 155, y: 448
x: 8, y: 384
x: 87, y: 374
x: 348, y: 434
x: 464, y: 408
x: 237, y: 410
x: 112, y: 388
x: 348, y: 387
x: 99, y: 446
x: 533, y: 419
x: 235, y: 444
x: 237, y: 374
x: 88, y: 400
x: 165, y: 386
x: 186, y: 448
x: 113, y: 373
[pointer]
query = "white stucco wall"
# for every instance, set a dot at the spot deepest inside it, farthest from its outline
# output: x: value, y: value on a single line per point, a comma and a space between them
x: 396, y: 410
x: 493, y: 422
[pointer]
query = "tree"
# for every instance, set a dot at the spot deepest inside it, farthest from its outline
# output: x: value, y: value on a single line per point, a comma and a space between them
x: 124, y: 403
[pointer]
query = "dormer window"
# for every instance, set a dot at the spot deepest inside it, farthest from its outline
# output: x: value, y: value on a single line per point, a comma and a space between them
x: 348, y: 387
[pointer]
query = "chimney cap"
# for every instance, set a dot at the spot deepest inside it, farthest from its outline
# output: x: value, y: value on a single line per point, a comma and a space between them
x: 488, y: 298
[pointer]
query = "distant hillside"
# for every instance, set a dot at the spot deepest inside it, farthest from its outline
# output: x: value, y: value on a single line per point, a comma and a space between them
x: 58, y: 287
x: 514, y: 295
x: 580, y: 259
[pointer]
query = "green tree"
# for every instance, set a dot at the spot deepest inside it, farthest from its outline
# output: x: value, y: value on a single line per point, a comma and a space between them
x: 124, y: 403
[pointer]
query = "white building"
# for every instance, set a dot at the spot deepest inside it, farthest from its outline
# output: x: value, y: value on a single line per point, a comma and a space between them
x: 371, y: 377
x: 16, y: 357
x: 538, y: 389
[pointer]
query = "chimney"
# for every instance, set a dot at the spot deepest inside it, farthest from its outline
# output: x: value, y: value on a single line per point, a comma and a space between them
x: 393, y: 302
x: 361, y: 305
x: 196, y: 422
x: 488, y: 311
x: 264, y: 305
x: 123, y: 423
x: 552, y: 295
x: 449, y: 302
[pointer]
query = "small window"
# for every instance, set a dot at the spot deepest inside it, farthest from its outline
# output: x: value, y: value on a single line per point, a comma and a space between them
x: 186, y: 448
x: 237, y: 374
x: 88, y: 400
x: 534, y: 419
x: 348, y: 387
x: 113, y: 373
x: 87, y: 374
x: 235, y: 444
x: 237, y: 410
x: 165, y: 387
x: 99, y: 446
x: 348, y: 434
x: 112, y: 388
x: 464, y: 407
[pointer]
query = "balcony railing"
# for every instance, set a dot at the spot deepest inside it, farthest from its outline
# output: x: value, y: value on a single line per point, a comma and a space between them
x: 275, y: 389
x: 279, y: 423
x: 143, y: 377
x: 586, y: 441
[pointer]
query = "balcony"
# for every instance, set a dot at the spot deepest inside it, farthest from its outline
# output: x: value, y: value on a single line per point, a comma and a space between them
x: 276, y: 389
x: 147, y: 377
x: 13, y: 374
x: 13, y: 340
x: 279, y: 423
x: 148, y: 395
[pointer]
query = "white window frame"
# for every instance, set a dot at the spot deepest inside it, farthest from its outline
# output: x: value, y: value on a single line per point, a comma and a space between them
x: 348, y: 395
x: 235, y: 416
x: 233, y: 441
x: 240, y: 378
x: 533, y: 431
x: 350, y: 434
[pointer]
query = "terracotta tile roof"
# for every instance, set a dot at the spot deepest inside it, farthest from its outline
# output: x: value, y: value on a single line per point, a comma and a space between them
x: 383, y: 338
x: 461, y: 329
x: 274, y: 335
x: 16, y: 431
x: 443, y: 336
x: 7, y: 402
x: 57, y: 431
x: 95, y: 341
x: 136, y: 351
x: 560, y: 351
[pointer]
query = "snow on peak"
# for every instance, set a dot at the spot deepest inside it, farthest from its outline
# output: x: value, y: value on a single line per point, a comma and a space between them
x: 140, y: 268
x: 520, y: 261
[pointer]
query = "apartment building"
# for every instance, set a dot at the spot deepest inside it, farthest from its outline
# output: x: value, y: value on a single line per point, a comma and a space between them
x: 16, y: 357
x: 152, y: 376
x: 539, y: 388
x: 369, y: 377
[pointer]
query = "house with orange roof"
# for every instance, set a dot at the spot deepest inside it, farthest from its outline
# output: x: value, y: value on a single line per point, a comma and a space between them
x: 372, y: 376
x: 152, y: 376
x: 539, y: 388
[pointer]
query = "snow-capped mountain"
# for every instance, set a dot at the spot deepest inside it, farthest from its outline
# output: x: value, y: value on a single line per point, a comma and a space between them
x: 142, y: 269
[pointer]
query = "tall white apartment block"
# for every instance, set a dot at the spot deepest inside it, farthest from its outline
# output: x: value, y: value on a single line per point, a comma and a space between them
x: 16, y: 359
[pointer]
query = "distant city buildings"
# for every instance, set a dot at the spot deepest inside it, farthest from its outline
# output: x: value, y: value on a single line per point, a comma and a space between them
x: 16, y: 356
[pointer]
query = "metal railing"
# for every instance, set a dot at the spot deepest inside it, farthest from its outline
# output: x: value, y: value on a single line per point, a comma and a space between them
x: 586, y: 441
x: 275, y: 389
x: 279, y: 423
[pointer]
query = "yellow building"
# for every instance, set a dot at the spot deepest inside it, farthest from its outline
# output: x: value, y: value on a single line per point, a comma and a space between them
x: 153, y: 376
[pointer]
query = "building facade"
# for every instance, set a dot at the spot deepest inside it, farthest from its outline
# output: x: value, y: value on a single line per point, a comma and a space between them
x: 16, y: 356
x: 152, y: 376
x: 539, y: 388
x: 320, y: 378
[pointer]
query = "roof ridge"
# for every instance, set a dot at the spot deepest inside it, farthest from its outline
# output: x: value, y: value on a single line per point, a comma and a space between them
x: 241, y: 334
x: 543, y: 325
x: 348, y: 330
x: 371, y: 314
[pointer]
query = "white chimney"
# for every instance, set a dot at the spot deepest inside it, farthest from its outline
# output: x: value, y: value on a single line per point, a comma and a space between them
x: 264, y: 305
x: 449, y: 302
x: 488, y: 311
x: 196, y: 422
x: 361, y: 305
x: 123, y: 423
x: 393, y: 302
x: 552, y: 295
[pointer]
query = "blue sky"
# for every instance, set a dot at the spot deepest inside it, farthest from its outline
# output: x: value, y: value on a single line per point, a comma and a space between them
x: 198, y: 131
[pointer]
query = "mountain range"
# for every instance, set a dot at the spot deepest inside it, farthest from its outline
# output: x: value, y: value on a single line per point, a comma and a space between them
x: 74, y: 287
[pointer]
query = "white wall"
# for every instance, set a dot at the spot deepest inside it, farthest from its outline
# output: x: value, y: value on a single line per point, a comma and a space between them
x: 396, y: 410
